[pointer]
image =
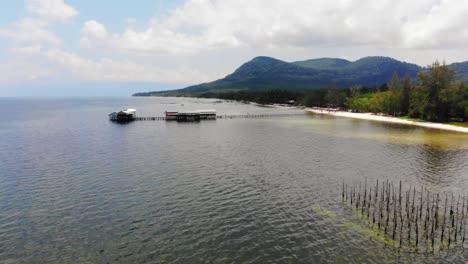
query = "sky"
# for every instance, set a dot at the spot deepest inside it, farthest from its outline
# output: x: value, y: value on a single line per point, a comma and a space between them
x: 89, y: 47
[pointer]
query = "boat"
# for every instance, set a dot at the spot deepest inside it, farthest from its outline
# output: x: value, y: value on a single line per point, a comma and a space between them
x: 123, y: 116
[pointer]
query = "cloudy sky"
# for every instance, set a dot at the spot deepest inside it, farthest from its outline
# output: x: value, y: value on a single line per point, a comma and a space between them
x: 89, y: 47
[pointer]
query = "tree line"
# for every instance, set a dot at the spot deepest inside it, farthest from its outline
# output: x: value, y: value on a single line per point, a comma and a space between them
x: 434, y: 96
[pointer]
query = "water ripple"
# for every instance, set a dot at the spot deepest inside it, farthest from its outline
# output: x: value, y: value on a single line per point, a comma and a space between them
x: 84, y: 190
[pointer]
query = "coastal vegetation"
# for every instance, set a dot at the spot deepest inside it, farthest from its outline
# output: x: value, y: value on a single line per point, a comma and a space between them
x: 433, y: 96
x: 434, y: 93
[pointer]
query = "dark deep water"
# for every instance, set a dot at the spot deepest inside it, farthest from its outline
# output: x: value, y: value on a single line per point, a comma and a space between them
x: 76, y: 188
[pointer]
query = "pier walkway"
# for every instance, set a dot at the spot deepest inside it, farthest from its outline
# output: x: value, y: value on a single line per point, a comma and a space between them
x: 159, y: 118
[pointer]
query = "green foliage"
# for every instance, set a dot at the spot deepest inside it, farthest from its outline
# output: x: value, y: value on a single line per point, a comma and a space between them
x: 405, y: 94
x: 315, y: 98
x: 335, y: 97
x: 377, y: 102
x: 437, y: 81
x: 359, y: 102
x: 418, y: 102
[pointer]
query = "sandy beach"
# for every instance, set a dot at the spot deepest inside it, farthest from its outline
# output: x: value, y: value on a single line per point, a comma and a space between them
x: 394, y: 120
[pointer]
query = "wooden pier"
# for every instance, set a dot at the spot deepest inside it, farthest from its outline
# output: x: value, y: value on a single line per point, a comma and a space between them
x: 410, y: 217
x: 162, y: 118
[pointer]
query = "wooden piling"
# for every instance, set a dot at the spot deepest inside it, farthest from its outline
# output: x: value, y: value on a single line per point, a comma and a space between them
x: 421, y: 203
x: 395, y: 219
x: 464, y: 223
x: 417, y: 227
x: 456, y: 220
x: 436, y: 215
x: 346, y: 192
x: 359, y: 197
x: 443, y: 220
x: 365, y: 197
x: 342, y: 193
x: 409, y: 219
x: 369, y: 203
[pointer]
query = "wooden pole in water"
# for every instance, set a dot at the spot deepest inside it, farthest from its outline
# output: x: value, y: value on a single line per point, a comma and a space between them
x: 412, y: 206
x: 379, y: 213
x: 401, y: 229
x: 443, y: 221
x: 359, y: 197
x: 456, y: 220
x: 421, y: 203
x: 436, y: 216
x: 375, y: 201
x: 432, y: 223
x: 382, y: 200
x: 342, y: 193
x: 462, y: 215
x: 450, y: 222
x: 427, y: 216
x: 388, y: 206
x: 394, y: 216
x: 407, y: 203
x: 365, y: 197
x: 369, y: 203
x: 399, y: 197
x: 346, y: 192
x: 464, y: 224
x: 450, y: 231
x: 417, y: 228
x: 410, y: 219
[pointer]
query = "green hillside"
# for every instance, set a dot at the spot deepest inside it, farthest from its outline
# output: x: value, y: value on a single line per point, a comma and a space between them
x: 266, y: 73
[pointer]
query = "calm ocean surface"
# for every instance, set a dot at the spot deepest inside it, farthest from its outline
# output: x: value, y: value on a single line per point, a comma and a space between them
x: 77, y: 188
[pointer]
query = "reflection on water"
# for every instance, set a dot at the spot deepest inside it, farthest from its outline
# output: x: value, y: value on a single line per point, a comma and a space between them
x: 75, y: 187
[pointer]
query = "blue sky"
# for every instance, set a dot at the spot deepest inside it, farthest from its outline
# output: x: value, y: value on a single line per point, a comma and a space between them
x: 88, y: 47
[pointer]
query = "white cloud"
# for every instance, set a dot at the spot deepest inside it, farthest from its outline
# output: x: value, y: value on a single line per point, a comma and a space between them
x: 27, y: 50
x: 23, y: 71
x: 34, y: 30
x: 202, y: 40
x: 52, y: 9
x: 157, y: 39
x: 106, y: 69
x: 204, y: 25
x: 30, y: 31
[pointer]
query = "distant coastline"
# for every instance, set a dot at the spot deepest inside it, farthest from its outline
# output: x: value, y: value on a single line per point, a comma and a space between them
x: 387, y: 119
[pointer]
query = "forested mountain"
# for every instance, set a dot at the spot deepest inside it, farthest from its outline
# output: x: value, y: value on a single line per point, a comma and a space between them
x: 461, y: 70
x: 266, y: 73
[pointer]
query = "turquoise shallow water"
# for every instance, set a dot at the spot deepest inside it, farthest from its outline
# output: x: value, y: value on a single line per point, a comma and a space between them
x: 76, y: 188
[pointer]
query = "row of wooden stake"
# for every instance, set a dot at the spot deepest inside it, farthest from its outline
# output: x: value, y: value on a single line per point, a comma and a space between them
x: 409, y: 217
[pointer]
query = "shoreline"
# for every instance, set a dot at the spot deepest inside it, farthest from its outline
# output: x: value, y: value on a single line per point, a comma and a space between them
x: 386, y: 119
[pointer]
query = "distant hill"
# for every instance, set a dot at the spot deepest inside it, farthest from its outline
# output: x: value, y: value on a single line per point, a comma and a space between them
x: 266, y: 73
x: 461, y: 68
x: 323, y: 63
